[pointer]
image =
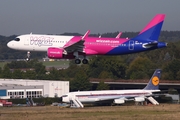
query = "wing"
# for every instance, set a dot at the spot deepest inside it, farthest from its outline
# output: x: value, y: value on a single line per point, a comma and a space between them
x: 106, y: 99
x: 76, y: 44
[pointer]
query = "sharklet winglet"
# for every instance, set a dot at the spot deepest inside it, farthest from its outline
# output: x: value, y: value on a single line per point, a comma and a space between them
x: 86, y: 35
x: 119, y: 35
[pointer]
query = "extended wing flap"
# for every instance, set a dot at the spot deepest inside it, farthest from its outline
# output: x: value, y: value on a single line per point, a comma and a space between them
x: 76, y: 44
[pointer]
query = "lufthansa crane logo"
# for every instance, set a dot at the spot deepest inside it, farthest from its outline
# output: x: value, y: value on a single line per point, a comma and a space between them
x: 155, y: 80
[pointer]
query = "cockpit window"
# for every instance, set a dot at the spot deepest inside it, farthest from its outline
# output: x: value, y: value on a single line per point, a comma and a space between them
x: 17, y: 39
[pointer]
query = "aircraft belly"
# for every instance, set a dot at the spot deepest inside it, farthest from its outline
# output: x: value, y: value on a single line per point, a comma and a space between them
x: 100, y: 49
x: 121, y: 50
x: 38, y: 48
x: 88, y: 100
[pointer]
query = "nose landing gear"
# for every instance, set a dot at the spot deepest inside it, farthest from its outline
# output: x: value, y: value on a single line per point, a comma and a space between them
x: 28, y: 56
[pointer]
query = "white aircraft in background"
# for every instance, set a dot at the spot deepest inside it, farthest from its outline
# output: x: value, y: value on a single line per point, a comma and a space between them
x: 115, y: 96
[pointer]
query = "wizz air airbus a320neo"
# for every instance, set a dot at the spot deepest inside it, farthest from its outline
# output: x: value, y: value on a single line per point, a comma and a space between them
x: 79, y: 47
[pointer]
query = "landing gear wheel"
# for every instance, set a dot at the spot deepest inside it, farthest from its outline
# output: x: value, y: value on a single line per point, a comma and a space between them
x: 77, y: 61
x: 27, y: 59
x: 28, y: 56
x: 85, y: 61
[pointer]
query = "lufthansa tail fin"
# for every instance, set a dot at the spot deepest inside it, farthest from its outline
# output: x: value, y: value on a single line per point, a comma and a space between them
x: 154, y: 81
x: 152, y: 29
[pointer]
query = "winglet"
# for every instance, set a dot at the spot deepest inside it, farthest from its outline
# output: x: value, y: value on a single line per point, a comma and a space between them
x: 154, y: 81
x: 119, y: 35
x: 86, y: 35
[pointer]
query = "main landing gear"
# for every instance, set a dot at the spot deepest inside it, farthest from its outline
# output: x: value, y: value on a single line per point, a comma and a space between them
x: 85, y: 61
x: 78, y: 61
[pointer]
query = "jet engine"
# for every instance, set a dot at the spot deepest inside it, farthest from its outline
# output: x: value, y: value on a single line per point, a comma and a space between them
x: 119, y: 101
x: 55, y: 53
x: 139, y: 99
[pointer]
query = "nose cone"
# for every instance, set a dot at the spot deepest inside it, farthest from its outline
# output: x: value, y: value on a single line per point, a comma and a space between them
x: 9, y: 44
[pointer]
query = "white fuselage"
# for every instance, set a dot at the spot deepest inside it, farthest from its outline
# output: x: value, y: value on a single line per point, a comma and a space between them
x: 38, y: 42
x: 95, y: 96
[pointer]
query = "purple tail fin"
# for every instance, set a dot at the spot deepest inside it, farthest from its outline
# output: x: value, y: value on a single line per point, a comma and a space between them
x: 152, y: 29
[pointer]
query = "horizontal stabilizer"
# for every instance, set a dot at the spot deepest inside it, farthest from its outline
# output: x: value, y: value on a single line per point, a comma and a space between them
x: 151, y: 44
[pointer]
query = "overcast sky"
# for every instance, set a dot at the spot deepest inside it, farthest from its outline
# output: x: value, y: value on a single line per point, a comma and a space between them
x: 100, y: 16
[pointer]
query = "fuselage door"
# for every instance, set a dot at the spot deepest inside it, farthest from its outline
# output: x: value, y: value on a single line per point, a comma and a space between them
x: 131, y: 45
x: 26, y: 41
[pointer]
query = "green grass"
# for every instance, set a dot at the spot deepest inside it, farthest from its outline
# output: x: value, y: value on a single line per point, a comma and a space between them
x: 46, y: 63
x: 2, y: 64
x: 163, y: 111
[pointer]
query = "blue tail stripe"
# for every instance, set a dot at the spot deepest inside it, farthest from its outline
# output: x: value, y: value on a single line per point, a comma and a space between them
x: 150, y: 34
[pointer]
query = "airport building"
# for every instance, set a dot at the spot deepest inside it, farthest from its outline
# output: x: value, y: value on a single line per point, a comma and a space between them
x: 22, y: 88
